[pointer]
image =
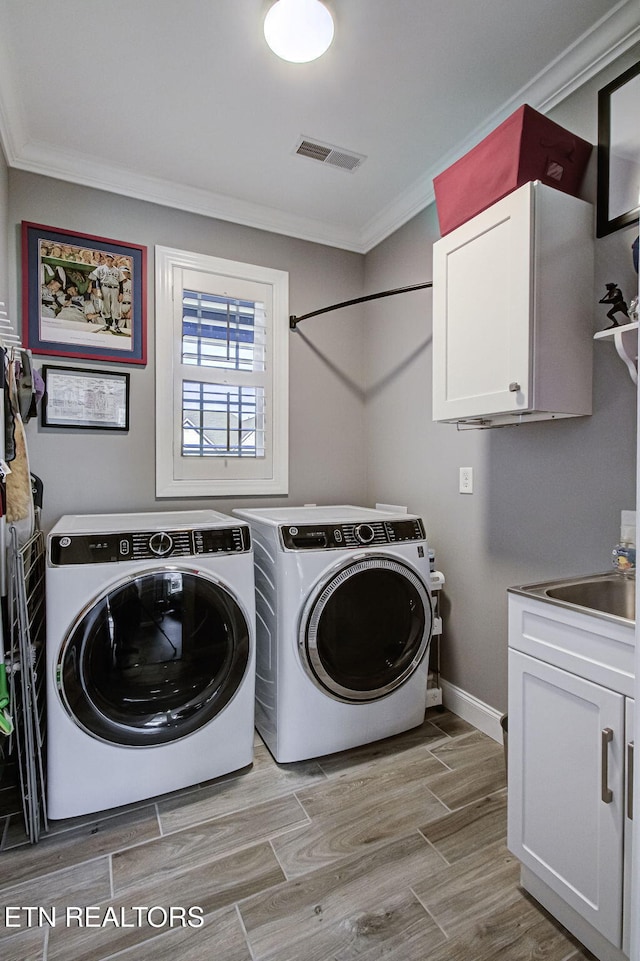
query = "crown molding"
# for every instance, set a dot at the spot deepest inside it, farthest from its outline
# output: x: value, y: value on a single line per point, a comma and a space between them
x: 85, y: 171
x: 12, y: 134
x: 608, y: 39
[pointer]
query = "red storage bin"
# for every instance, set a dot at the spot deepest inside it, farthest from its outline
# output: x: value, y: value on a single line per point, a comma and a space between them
x: 526, y: 146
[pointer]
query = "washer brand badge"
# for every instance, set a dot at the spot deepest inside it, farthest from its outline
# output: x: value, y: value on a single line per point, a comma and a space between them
x: 65, y: 541
x: 420, y: 551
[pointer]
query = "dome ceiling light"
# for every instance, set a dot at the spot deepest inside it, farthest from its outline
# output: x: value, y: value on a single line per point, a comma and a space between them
x: 298, y: 30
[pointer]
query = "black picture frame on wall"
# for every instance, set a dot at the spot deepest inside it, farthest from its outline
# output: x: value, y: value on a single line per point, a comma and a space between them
x: 83, y: 399
x: 618, y: 153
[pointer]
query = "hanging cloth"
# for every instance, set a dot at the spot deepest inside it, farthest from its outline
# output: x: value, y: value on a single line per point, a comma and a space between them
x: 20, y: 511
x: 9, y: 436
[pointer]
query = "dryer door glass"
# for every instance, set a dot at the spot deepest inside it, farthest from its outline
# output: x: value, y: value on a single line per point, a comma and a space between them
x: 367, y: 629
x: 154, y: 659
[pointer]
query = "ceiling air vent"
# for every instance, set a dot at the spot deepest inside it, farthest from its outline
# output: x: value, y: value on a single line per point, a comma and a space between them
x: 327, y: 154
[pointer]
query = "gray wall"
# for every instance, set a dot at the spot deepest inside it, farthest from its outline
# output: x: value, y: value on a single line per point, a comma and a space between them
x: 4, y: 230
x: 92, y: 471
x: 547, y: 497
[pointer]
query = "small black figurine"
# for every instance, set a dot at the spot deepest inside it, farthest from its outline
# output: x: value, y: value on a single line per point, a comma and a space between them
x: 614, y: 297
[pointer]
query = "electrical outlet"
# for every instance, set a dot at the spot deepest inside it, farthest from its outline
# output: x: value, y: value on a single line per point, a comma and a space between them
x: 466, y: 480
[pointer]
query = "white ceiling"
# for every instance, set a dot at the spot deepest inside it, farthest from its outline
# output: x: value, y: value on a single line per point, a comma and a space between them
x: 182, y: 102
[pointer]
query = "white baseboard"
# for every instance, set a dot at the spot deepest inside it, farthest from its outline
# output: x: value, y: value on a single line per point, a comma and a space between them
x: 469, y: 708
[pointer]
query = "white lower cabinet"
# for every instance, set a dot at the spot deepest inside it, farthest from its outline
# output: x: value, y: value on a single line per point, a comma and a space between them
x: 569, y: 798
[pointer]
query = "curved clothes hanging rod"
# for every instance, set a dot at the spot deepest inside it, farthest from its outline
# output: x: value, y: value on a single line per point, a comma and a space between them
x: 294, y: 321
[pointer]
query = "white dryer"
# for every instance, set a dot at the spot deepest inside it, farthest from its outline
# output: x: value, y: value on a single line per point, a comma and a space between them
x: 150, y: 655
x: 344, y: 620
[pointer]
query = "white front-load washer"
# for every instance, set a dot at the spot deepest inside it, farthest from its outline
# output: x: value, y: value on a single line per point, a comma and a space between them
x: 150, y: 655
x: 344, y: 620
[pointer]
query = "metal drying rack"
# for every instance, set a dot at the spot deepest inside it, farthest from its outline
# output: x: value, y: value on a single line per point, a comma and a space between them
x: 25, y: 662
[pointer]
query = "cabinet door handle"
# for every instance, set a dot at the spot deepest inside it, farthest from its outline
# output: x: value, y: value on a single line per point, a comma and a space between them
x: 514, y: 387
x: 605, y: 791
x: 630, y: 780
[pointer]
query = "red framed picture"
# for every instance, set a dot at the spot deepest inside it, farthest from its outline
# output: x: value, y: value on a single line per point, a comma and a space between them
x: 83, y: 296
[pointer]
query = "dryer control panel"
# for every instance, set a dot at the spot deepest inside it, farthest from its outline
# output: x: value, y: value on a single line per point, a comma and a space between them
x: 307, y: 537
x: 113, y: 547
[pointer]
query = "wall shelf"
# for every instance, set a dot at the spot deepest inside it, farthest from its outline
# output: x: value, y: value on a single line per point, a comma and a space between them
x: 625, y: 341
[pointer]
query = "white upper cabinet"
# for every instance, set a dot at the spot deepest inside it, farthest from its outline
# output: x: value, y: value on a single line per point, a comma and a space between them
x: 512, y: 309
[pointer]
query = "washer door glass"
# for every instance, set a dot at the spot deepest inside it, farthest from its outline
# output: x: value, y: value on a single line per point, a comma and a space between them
x: 154, y: 659
x: 367, y: 629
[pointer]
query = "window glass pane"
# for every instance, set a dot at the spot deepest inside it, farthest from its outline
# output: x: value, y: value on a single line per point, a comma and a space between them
x: 222, y: 332
x: 219, y: 420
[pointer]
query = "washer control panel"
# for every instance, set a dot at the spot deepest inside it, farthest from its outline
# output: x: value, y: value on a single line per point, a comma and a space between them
x: 323, y: 537
x: 146, y: 545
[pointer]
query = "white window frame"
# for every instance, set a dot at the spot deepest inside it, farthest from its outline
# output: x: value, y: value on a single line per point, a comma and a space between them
x: 178, y: 476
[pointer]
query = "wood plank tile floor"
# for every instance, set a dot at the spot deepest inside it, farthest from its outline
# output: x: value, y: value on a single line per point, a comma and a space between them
x: 394, y: 851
